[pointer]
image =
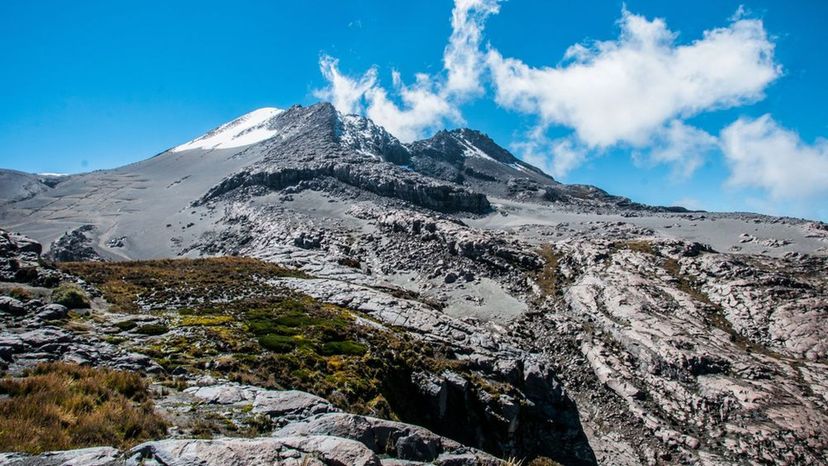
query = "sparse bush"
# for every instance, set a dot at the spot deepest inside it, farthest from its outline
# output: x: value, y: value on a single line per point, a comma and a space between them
x: 70, y: 295
x: 20, y: 293
x: 176, y: 280
x: 59, y: 406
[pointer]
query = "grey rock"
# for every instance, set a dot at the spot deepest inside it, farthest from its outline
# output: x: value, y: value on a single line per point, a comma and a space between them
x: 321, y: 450
x: 52, y: 312
x: 12, y: 306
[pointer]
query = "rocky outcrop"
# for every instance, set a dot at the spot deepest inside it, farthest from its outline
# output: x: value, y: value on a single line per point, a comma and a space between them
x: 20, y: 261
x: 691, y: 342
x: 309, y: 431
x: 383, y: 180
x: 74, y: 245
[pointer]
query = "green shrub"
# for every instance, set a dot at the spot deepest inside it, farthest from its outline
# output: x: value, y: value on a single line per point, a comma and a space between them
x: 277, y: 343
x: 70, y: 295
x: 343, y: 347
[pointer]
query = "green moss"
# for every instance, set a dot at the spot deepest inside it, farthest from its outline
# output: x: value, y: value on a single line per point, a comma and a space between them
x: 277, y: 343
x: 70, y: 295
x: 205, y: 321
x: 343, y: 347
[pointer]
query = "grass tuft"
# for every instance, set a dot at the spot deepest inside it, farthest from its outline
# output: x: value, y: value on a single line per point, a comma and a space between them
x: 70, y: 295
x: 58, y: 406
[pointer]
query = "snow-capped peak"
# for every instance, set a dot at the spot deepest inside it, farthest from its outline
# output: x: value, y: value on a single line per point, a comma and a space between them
x: 365, y: 136
x: 244, y: 130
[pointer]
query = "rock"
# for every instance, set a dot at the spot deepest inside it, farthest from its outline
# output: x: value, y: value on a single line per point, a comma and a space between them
x: 43, y: 336
x: 294, y: 451
x: 290, y: 403
x: 74, y: 245
x: 12, y: 306
x: 450, y: 278
x: 395, y: 439
x: 52, y: 312
x: 94, y: 456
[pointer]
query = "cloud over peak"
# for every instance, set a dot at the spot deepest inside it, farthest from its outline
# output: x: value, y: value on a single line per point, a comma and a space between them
x: 430, y: 101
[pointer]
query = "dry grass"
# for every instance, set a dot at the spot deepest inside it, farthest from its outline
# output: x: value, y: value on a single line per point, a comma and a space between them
x: 59, y: 406
x: 181, y: 280
x: 548, y: 278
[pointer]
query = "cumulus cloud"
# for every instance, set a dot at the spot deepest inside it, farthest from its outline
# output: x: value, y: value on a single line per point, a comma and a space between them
x: 636, y: 91
x: 344, y: 92
x: 429, y: 102
x: 624, y: 90
x: 682, y: 146
x: 462, y: 58
x: 762, y: 154
x: 556, y: 157
x: 422, y: 108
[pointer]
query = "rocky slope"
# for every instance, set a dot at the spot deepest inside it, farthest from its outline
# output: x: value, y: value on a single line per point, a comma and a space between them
x: 445, y: 301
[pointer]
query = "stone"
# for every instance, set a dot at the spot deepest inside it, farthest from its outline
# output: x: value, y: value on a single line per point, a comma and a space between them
x: 12, y: 306
x: 52, y: 312
x: 294, y: 451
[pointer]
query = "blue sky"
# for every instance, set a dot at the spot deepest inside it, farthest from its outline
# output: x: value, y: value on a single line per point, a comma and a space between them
x: 100, y: 84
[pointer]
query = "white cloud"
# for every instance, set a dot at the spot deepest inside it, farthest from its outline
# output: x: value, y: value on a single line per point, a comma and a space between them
x: 462, y: 58
x: 680, y: 145
x: 625, y: 90
x: 557, y: 157
x: 430, y: 102
x: 422, y: 108
x: 345, y: 93
x: 762, y: 154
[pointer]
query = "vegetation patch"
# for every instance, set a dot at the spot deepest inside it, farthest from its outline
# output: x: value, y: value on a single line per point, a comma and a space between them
x: 60, y: 406
x: 20, y: 293
x: 70, y: 295
x: 130, y: 285
x: 548, y: 278
x: 205, y: 321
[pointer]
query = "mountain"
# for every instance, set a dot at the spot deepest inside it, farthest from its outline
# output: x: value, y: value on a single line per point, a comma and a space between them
x: 498, y: 309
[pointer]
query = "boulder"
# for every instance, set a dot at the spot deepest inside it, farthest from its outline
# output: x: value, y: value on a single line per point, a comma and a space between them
x: 307, y: 450
x: 52, y: 312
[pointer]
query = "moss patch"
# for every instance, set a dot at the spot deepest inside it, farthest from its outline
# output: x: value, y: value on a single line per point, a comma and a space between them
x: 60, y: 406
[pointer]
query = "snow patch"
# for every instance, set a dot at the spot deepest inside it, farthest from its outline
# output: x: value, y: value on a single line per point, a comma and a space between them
x: 470, y: 150
x: 243, y: 131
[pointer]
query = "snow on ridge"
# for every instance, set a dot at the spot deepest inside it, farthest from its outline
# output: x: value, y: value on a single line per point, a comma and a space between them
x: 244, y: 130
x: 470, y: 150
